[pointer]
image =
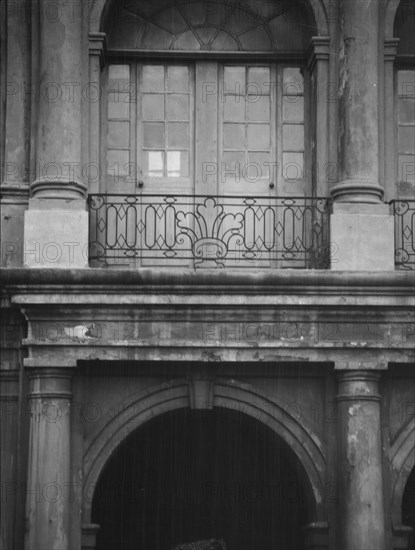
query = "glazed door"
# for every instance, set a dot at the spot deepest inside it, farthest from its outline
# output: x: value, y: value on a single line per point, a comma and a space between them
x: 198, y: 153
x: 150, y: 162
x: 247, y: 175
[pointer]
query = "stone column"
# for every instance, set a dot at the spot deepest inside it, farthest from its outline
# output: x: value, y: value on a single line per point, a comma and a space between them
x: 56, y: 224
x: 362, y: 228
x: 361, y: 521
x: 48, y: 481
x: 9, y: 407
x: 16, y: 107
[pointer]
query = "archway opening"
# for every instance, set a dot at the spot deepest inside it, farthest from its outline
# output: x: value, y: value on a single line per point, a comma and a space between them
x: 192, y: 475
x: 408, y: 507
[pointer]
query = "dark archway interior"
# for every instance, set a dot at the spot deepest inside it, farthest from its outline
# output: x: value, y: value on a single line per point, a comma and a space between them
x: 408, y: 506
x: 190, y: 475
x: 404, y: 27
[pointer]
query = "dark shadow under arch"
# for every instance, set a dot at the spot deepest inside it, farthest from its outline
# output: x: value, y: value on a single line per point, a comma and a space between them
x: 188, y: 475
x: 404, y: 27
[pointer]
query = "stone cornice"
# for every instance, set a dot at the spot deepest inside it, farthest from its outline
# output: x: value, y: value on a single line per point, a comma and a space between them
x: 159, y: 281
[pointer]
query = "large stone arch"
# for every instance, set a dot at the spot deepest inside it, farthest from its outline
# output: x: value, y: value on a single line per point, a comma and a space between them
x: 98, y: 10
x: 228, y: 394
x: 402, y: 458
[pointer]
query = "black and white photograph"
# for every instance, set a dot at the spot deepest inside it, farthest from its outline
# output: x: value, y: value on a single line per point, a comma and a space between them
x: 207, y: 274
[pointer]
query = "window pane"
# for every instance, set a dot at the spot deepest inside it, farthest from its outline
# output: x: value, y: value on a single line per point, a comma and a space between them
x: 177, y: 79
x: 259, y: 111
x: 118, y: 134
x: 173, y: 164
x: 118, y: 77
x: 259, y: 80
x: 232, y: 166
x: 293, y: 111
x: 153, y: 106
x: 406, y: 168
x: 153, y: 135
x: 234, y: 108
x: 234, y: 80
x: 178, y: 135
x: 292, y: 166
x: 177, y: 107
x: 177, y: 164
x: 406, y: 83
x: 118, y: 105
x: 154, y: 166
x: 117, y: 163
x: 406, y: 139
x: 153, y: 78
x: 258, y: 136
x: 406, y: 110
x: 234, y: 136
x: 293, y: 83
x: 293, y: 137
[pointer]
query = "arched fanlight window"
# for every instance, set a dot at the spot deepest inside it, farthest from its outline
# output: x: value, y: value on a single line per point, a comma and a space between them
x: 211, y: 26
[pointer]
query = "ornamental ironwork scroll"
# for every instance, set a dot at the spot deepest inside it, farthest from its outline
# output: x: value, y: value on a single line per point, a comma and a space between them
x: 209, y: 231
x: 404, y: 213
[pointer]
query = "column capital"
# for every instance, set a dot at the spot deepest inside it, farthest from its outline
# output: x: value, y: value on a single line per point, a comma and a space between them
x: 98, y: 46
x: 50, y: 383
x: 319, y: 50
x: 390, y: 48
x: 358, y: 385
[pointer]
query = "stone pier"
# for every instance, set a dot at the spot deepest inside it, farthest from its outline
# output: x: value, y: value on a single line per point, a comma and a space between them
x: 57, y: 204
x: 361, y: 226
x: 361, y: 521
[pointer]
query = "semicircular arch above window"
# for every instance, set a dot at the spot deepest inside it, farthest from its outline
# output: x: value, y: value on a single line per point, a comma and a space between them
x: 184, y: 25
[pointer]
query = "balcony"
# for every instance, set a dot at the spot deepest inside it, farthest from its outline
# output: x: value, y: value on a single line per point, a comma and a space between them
x: 128, y: 231
x: 404, y: 214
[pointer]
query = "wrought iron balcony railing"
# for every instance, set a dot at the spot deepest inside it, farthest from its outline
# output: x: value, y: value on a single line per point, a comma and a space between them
x: 209, y: 231
x: 404, y: 213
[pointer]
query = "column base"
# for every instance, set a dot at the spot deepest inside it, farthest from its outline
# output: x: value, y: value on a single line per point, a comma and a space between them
x: 363, y: 237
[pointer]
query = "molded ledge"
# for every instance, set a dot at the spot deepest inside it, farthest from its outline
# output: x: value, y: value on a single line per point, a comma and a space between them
x: 277, y: 281
x: 357, y: 190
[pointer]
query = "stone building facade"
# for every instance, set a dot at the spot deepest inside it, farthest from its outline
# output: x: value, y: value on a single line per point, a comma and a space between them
x: 207, y: 283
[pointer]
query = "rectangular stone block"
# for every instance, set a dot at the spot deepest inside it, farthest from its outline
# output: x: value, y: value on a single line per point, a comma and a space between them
x: 362, y: 237
x: 56, y: 239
